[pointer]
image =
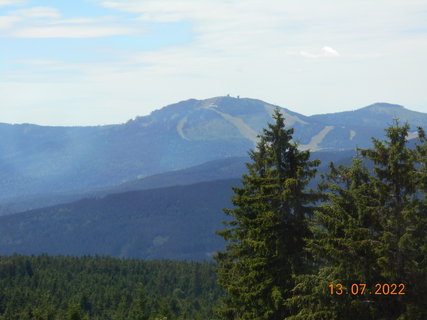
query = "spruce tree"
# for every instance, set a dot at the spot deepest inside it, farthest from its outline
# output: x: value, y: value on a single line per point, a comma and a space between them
x: 372, y: 230
x: 266, y: 233
x: 402, y: 252
x: 343, y: 246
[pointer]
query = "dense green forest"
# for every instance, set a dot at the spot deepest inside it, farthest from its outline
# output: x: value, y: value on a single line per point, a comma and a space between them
x: 64, y: 287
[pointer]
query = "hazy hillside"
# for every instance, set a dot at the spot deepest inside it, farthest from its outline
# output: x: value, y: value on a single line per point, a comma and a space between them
x: 209, y: 171
x: 174, y: 223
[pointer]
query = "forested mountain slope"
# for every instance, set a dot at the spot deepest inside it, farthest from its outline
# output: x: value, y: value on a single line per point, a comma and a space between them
x: 171, y: 223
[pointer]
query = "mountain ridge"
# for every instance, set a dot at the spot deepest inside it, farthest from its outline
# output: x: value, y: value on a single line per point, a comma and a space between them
x: 376, y: 115
x: 39, y: 159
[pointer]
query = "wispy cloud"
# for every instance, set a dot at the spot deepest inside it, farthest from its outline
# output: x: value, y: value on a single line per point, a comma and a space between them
x: 46, y: 22
x: 4, y: 3
x: 326, y: 52
x: 26, y: 16
x: 38, y: 62
x: 72, y: 32
x: 255, y: 26
x: 73, y: 21
x: 6, y: 22
x: 37, y: 12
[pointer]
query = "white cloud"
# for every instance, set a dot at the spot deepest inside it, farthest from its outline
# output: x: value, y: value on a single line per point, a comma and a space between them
x: 37, y: 12
x: 258, y: 27
x: 312, y: 17
x: 26, y: 16
x: 326, y: 52
x: 7, y: 22
x: 72, y: 32
x: 39, y: 62
x: 329, y: 52
x: 45, y: 22
x: 4, y: 3
x: 81, y: 20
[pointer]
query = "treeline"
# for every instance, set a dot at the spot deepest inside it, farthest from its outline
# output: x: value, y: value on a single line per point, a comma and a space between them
x: 353, y: 248
x: 64, y: 287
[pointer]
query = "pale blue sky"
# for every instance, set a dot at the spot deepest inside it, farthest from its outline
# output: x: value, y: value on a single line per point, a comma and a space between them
x: 99, y: 62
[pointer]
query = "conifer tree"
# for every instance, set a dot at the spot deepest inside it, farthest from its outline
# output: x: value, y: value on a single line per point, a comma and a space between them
x: 402, y: 252
x: 138, y: 309
x: 343, y: 245
x: 372, y: 229
x: 266, y: 233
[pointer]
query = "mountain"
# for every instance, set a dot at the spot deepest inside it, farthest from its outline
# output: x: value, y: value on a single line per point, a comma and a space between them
x: 173, y: 223
x: 45, y: 160
x: 36, y: 159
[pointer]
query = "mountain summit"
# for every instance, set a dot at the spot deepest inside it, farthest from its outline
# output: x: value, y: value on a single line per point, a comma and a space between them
x: 216, y: 118
x: 383, y: 107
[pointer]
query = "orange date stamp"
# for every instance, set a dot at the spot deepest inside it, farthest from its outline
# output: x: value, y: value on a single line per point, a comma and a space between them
x: 362, y: 288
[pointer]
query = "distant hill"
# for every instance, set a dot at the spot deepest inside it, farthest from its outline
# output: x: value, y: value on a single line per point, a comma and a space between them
x: 172, y: 223
x: 212, y: 170
x: 378, y: 115
x: 209, y: 171
x: 43, y: 160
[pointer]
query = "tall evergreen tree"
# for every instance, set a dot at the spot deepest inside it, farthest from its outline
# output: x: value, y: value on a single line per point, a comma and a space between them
x: 268, y: 226
x: 372, y: 229
x: 343, y: 245
x: 402, y: 254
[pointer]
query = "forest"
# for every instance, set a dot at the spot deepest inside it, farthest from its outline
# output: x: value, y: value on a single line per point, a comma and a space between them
x: 64, y: 287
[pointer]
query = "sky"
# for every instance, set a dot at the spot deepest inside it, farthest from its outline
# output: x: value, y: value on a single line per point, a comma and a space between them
x: 95, y: 62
